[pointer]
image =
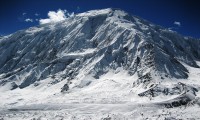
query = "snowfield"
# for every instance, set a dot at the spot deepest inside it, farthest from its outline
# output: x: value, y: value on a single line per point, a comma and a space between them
x: 99, y: 65
x: 103, y: 99
x: 100, y: 112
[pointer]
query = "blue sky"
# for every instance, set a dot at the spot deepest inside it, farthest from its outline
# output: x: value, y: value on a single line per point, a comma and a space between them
x: 182, y: 16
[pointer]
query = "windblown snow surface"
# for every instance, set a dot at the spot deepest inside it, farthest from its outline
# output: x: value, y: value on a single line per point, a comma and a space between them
x: 99, y: 65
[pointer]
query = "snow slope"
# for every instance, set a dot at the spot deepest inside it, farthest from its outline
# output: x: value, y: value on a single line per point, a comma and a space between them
x: 102, y: 60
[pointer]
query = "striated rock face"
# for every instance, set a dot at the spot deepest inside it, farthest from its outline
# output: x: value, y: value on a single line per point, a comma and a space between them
x: 93, y: 43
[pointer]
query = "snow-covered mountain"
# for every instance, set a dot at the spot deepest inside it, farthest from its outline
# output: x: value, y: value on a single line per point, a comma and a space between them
x: 99, y: 56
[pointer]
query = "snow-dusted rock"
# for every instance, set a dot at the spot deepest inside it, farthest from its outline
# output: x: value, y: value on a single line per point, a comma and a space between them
x: 76, y: 53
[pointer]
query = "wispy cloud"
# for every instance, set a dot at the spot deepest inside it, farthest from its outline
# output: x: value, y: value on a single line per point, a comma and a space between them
x: 36, y: 14
x: 24, y: 13
x: 78, y: 8
x: 177, y: 23
x: 176, y: 26
x: 56, y: 16
x: 23, y: 18
x: 28, y: 20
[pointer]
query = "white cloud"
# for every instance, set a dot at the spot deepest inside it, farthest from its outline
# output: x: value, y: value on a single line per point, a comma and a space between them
x: 177, y: 23
x: 56, y: 16
x: 28, y: 20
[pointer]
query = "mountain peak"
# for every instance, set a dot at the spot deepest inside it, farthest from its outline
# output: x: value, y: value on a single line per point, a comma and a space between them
x: 79, y: 52
x: 106, y: 11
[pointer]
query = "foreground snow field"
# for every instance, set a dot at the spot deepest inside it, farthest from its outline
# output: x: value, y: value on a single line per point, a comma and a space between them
x: 102, y: 100
x: 101, y: 64
x: 75, y: 111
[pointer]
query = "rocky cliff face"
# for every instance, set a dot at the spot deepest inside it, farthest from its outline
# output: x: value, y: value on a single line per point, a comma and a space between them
x: 94, y: 43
